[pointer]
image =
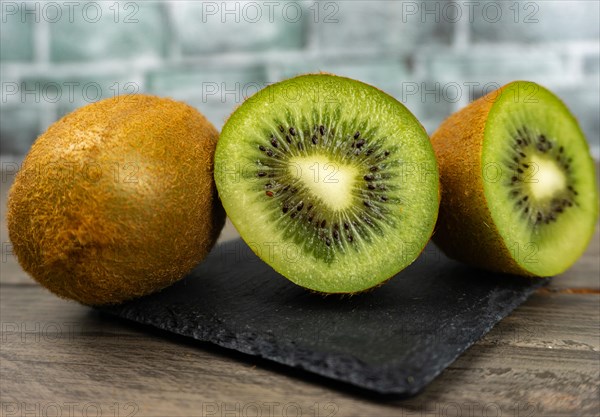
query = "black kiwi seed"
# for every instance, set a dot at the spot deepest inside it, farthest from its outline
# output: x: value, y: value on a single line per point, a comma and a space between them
x: 367, y: 203
x: 324, y: 223
x: 285, y: 208
x: 300, y: 206
x: 346, y: 225
x: 269, y: 152
x: 384, y: 197
x: 261, y: 174
x: 360, y: 143
x: 371, y: 186
x: 314, y: 139
x: 368, y: 221
x: 328, y: 241
x: 356, y: 135
x: 281, y: 129
x: 369, y: 177
x: 322, y: 130
x: 293, y: 215
x: 292, y: 131
x: 336, y: 235
x: 262, y: 148
x: 274, y: 142
x: 374, y: 169
x: 289, y: 140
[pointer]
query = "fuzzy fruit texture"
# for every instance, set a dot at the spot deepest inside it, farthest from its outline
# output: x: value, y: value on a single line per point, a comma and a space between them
x: 502, y: 158
x: 117, y: 200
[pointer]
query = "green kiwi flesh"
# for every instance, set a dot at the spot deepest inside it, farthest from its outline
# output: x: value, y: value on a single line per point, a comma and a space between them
x: 330, y: 181
x: 540, y: 182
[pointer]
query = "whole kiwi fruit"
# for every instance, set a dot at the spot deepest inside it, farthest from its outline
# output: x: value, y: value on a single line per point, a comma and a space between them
x: 117, y: 200
x: 519, y: 191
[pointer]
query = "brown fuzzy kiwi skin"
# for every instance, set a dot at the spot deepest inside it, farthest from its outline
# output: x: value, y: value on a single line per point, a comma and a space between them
x: 117, y: 200
x: 458, y: 145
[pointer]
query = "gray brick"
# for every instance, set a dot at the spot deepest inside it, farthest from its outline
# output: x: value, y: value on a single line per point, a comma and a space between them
x: 539, y: 21
x: 69, y: 93
x: 139, y: 29
x: 381, y: 72
x: 496, y: 66
x: 584, y: 102
x: 591, y: 65
x: 215, y: 91
x: 16, y: 35
x: 19, y: 127
x: 379, y: 25
x: 430, y: 101
x: 208, y: 27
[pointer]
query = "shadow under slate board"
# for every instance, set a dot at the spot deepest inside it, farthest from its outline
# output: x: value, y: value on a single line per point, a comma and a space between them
x: 394, y: 339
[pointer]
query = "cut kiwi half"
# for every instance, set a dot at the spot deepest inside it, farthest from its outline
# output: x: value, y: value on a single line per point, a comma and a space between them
x: 519, y: 192
x: 330, y: 181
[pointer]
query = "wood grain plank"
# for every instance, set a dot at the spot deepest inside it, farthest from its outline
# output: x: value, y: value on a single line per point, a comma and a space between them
x: 544, y: 358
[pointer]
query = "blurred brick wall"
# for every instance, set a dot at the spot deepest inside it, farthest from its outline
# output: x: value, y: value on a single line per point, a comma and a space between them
x: 435, y: 56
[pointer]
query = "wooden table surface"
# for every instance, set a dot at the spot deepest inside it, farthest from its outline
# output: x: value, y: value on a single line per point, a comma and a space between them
x: 61, y: 358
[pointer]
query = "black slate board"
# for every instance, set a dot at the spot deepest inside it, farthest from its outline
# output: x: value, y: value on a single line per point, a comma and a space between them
x: 394, y: 339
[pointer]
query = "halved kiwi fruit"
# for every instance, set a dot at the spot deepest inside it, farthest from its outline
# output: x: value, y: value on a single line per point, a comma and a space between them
x: 519, y: 192
x: 117, y: 199
x: 329, y: 180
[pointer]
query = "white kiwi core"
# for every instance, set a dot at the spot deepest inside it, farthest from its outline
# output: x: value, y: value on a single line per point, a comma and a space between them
x: 546, y: 178
x: 327, y: 180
